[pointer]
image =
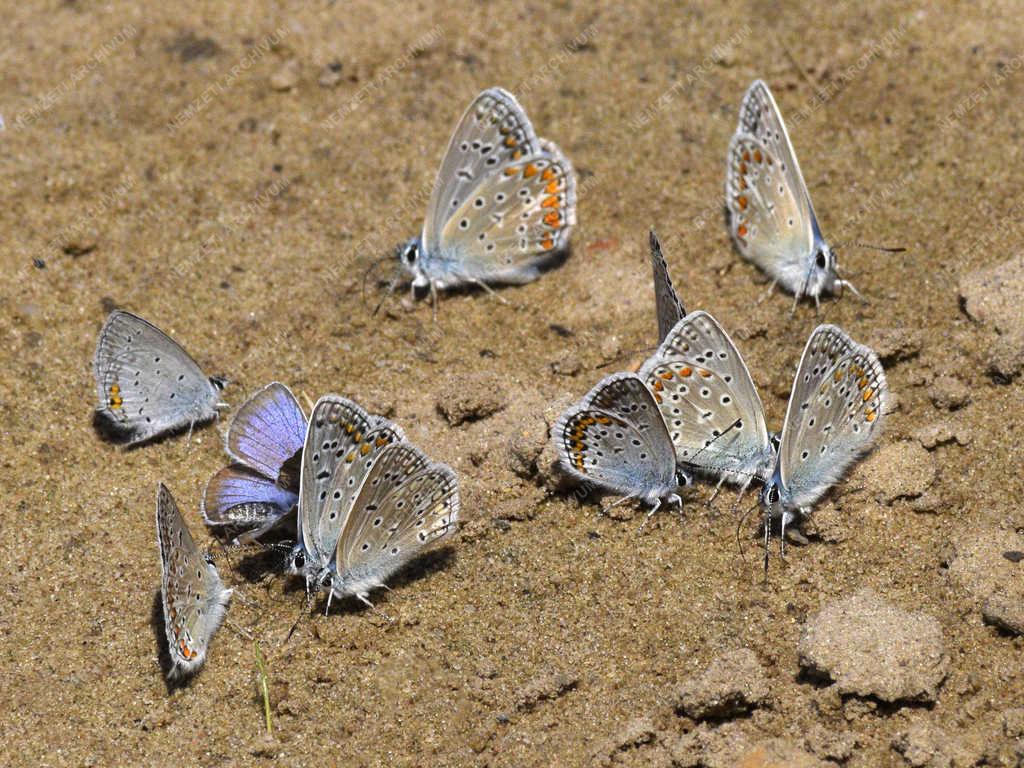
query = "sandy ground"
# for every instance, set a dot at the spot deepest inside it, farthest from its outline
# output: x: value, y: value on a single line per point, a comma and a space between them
x: 229, y: 173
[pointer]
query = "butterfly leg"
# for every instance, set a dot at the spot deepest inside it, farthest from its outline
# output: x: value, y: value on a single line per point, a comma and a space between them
x: 650, y: 513
x: 433, y: 300
x: 365, y: 600
x: 490, y: 291
x: 858, y: 294
x: 769, y: 292
x: 623, y: 500
x: 767, y: 540
x: 714, y: 495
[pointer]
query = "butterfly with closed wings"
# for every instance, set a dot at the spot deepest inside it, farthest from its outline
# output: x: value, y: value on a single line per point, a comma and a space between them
x: 503, y: 205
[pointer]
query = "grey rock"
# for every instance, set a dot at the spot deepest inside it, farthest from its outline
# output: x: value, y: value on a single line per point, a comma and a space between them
x: 871, y: 648
x: 949, y: 393
x: 732, y: 685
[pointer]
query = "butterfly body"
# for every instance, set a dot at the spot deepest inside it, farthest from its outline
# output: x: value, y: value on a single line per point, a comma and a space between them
x: 193, y: 597
x: 147, y: 385
x: 771, y: 219
x: 503, y: 205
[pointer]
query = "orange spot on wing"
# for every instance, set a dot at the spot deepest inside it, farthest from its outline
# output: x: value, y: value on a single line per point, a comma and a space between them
x: 666, y: 375
x: 869, y: 415
x: 552, y: 219
x: 529, y: 170
x: 757, y: 156
x: 746, y: 156
x: 510, y: 141
x: 511, y: 171
x: 867, y: 394
x: 517, y: 154
x: 548, y: 174
x: 741, y: 201
x: 741, y: 230
x: 704, y: 372
x: 550, y: 202
x: 365, y: 448
x: 685, y: 371
x: 547, y: 244
x: 657, y: 386
x: 552, y: 187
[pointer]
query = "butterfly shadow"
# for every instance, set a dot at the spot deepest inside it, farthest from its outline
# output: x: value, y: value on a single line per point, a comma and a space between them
x: 111, y: 432
x: 156, y: 623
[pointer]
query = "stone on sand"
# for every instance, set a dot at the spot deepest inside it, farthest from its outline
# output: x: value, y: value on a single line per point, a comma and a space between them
x: 993, y: 296
x: 733, y: 684
x: 470, y: 397
x: 989, y: 565
x: 870, y: 648
x: 898, y: 470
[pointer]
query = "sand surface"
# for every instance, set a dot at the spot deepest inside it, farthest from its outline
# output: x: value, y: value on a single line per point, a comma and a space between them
x: 230, y: 172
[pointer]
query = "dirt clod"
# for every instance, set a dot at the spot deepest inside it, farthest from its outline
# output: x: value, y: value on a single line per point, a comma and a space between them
x: 470, y: 397
x: 732, y: 685
x: 898, y: 470
x: 546, y: 687
x: 869, y: 647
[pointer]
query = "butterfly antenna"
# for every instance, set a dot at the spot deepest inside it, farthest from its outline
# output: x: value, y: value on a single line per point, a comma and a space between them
x: 298, y: 619
x: 869, y: 246
x: 367, y: 272
x: 739, y: 526
x: 387, y: 294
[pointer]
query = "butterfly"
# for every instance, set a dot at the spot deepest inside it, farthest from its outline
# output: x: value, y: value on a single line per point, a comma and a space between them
x: 193, y: 596
x: 146, y: 384
x: 835, y: 412
x: 342, y: 443
x: 503, y: 204
x: 711, y: 408
x: 265, y: 441
x: 669, y: 308
x: 771, y: 218
x: 615, y: 439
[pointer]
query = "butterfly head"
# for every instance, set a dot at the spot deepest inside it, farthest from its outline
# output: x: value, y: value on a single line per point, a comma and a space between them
x: 409, y: 256
x: 771, y: 498
x: 822, y: 276
x: 295, y: 563
x: 219, y: 382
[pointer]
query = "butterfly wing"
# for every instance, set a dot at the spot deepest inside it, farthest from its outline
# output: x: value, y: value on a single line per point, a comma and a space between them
x: 835, y: 412
x: 268, y: 430
x: 669, y: 307
x: 505, y: 200
x: 349, y: 478
x: 616, y: 437
x: 236, y: 496
x: 770, y: 215
x: 337, y: 427
x: 194, y: 598
x: 406, y: 503
x: 146, y: 383
x: 708, y: 400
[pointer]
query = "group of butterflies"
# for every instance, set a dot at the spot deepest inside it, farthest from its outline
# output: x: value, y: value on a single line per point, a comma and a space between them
x: 363, y: 500
x: 693, y: 409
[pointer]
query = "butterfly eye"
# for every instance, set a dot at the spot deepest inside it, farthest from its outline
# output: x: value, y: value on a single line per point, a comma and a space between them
x: 300, y: 560
x: 820, y: 260
x: 773, y: 495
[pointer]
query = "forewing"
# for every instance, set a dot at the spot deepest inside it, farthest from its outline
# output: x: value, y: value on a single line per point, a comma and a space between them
x: 406, y: 503
x: 492, y: 132
x: 669, y: 307
x: 708, y: 400
x: 513, y: 219
x: 760, y: 118
x: 194, y: 598
x: 146, y: 383
x: 335, y: 427
x: 349, y: 477
x: 268, y: 430
x: 766, y: 219
x: 835, y: 412
x: 616, y: 437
